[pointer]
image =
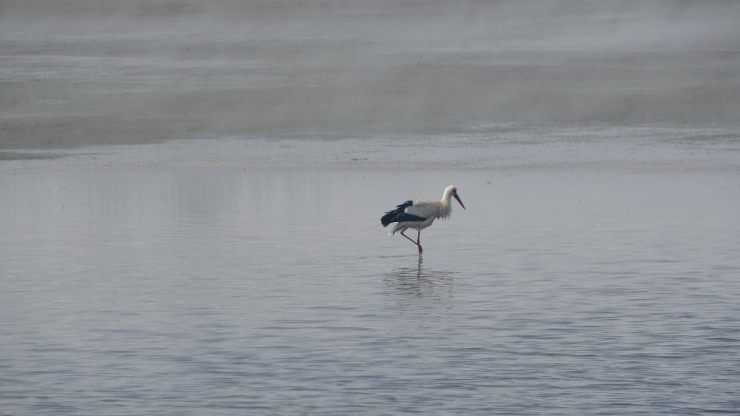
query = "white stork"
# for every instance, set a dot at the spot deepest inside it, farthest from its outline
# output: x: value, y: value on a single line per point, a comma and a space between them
x: 419, y: 214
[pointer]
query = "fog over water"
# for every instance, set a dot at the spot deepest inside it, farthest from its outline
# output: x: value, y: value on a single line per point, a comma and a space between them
x: 87, y: 72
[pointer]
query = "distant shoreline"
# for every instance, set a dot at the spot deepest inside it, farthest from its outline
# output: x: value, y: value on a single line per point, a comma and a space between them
x: 504, y: 148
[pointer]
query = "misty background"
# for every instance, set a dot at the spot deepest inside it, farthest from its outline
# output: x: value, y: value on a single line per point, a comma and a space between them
x: 88, y: 72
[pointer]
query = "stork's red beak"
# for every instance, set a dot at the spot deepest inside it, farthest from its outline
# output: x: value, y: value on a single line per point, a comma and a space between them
x: 458, y: 200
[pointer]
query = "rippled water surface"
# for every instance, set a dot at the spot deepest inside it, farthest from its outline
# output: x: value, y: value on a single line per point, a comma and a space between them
x: 208, y: 288
x: 190, y: 195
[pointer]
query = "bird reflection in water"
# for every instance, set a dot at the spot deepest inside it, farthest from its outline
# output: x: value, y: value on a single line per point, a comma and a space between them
x: 421, y: 281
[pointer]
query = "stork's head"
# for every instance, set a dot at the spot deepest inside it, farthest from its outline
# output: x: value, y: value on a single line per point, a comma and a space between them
x: 452, y: 191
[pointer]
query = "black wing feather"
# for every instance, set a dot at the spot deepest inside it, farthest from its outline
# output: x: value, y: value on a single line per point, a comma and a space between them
x: 399, y: 215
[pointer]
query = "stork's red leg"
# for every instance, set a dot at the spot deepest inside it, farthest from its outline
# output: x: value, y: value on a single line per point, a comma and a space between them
x: 415, y: 242
x: 418, y: 242
x: 409, y: 238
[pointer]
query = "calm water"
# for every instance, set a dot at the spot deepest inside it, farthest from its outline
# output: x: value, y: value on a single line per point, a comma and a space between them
x: 205, y: 288
x: 595, y: 270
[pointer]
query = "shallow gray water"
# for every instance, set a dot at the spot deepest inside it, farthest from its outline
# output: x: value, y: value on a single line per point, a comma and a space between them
x: 199, y: 286
x: 595, y: 146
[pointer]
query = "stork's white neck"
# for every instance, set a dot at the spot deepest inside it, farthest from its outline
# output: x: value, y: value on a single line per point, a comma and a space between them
x: 447, y: 195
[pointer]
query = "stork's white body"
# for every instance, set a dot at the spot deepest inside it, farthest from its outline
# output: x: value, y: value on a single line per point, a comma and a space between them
x: 420, y: 214
x: 431, y: 210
